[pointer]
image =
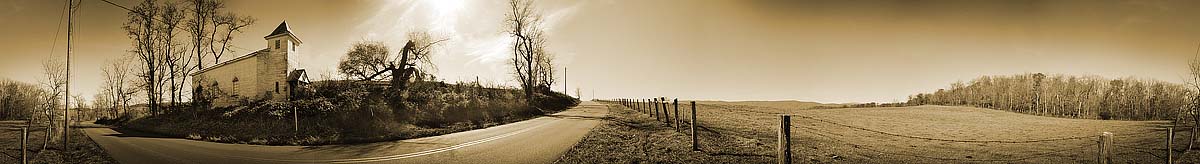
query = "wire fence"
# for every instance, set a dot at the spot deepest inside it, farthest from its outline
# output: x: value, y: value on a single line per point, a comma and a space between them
x: 831, y: 135
x: 1053, y: 147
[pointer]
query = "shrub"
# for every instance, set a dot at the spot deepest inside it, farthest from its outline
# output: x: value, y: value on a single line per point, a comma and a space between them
x: 352, y: 111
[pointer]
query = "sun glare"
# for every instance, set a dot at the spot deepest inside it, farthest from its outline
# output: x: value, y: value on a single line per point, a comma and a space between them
x: 446, y: 7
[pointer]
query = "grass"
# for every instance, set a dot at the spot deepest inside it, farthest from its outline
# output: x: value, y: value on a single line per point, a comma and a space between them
x: 633, y: 137
x: 83, y: 149
x: 816, y: 141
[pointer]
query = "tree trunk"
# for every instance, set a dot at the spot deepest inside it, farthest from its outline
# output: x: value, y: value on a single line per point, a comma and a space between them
x: 49, y: 130
x: 1195, y: 127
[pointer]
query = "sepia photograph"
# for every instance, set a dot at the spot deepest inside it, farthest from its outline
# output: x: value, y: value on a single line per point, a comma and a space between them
x: 599, y: 81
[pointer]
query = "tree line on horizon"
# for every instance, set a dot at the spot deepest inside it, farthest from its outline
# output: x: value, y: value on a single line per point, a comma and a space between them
x: 1090, y: 97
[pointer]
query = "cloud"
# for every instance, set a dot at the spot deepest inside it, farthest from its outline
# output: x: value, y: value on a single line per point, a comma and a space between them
x: 475, y: 29
x: 556, y: 17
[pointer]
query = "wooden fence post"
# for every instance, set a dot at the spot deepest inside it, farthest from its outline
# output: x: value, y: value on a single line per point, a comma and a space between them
x: 1105, y: 147
x: 666, y: 113
x: 654, y: 105
x: 785, y: 140
x: 675, y: 102
x: 25, y: 145
x: 1170, y: 152
x: 695, y: 146
x: 657, y: 111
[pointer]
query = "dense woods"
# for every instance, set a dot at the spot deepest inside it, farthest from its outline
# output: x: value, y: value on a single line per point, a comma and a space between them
x: 19, y: 100
x: 1089, y: 97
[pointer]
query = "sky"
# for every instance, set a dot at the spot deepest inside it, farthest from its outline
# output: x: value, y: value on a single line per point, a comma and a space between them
x: 811, y: 50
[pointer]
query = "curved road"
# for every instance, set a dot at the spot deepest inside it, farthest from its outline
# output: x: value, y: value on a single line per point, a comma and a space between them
x: 538, y: 140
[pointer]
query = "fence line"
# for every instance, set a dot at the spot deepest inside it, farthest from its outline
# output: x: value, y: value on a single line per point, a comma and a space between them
x: 831, y: 135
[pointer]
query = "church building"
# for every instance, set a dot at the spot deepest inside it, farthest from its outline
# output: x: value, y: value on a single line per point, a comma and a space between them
x: 267, y: 74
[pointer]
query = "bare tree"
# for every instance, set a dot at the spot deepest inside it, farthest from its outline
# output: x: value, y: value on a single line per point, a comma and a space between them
x: 1194, y: 82
x: 100, y: 102
x: 199, y: 26
x: 19, y: 100
x: 149, y: 46
x: 80, y: 105
x: 531, y: 64
x: 225, y: 24
x: 364, y: 60
x: 55, y: 82
x: 425, y: 45
x: 116, y: 74
x: 210, y: 30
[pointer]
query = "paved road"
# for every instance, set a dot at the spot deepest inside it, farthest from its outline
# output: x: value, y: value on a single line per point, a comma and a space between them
x: 539, y: 140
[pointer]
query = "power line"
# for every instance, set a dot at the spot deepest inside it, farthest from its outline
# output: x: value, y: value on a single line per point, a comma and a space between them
x: 140, y: 13
x: 54, y: 43
x: 122, y: 7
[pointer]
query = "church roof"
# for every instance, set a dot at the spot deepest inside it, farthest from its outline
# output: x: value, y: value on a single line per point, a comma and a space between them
x: 230, y: 61
x: 282, y: 29
x: 298, y: 75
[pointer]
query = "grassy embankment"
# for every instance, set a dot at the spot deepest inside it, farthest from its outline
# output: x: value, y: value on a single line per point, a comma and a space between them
x: 82, y: 150
x: 340, y: 112
x: 824, y: 142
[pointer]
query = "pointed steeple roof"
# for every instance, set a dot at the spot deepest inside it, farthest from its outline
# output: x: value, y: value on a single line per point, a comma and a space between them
x: 283, y: 29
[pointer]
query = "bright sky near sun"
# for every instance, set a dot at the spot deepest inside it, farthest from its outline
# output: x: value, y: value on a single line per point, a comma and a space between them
x: 812, y: 50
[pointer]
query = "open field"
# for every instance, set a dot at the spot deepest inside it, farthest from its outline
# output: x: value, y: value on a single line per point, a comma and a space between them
x: 83, y: 150
x: 932, y: 134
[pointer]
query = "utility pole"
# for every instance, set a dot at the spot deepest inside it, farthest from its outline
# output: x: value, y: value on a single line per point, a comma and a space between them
x: 67, y: 97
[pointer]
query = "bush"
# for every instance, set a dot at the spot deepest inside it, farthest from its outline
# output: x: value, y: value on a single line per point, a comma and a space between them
x: 352, y: 111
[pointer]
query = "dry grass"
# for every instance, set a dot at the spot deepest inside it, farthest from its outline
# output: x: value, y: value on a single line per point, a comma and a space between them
x: 632, y: 137
x: 83, y: 149
x: 825, y: 142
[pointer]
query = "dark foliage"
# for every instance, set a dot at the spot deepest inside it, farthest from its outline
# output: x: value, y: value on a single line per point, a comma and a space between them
x: 355, y: 111
x: 1068, y: 96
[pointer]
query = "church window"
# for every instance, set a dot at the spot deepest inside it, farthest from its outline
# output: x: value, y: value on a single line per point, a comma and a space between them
x: 235, y: 87
x: 276, y: 44
x: 276, y: 87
